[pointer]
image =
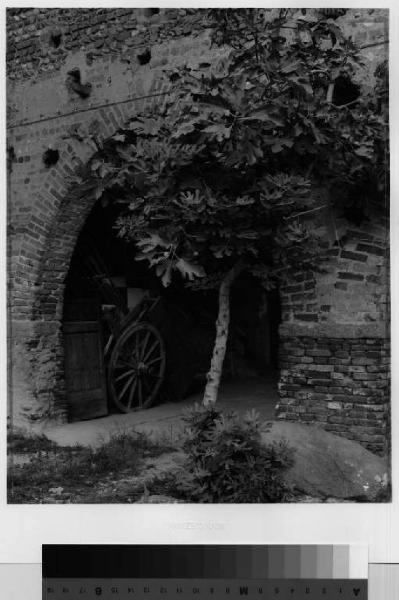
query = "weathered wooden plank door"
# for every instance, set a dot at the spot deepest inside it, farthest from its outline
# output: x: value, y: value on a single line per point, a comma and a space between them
x: 84, y: 370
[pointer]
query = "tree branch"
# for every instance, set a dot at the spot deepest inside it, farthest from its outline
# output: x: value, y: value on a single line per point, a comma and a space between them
x: 305, y: 212
x: 344, y: 105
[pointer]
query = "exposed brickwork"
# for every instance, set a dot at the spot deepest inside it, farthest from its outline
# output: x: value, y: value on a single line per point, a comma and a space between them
x: 340, y: 383
x: 47, y: 210
x: 99, y: 32
x: 335, y: 338
x: 354, y: 287
x: 36, y: 376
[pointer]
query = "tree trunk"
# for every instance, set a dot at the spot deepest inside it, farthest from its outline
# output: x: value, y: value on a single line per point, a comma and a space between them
x: 222, y: 332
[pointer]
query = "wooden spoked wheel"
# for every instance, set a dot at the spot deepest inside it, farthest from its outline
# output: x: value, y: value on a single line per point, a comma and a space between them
x: 136, y: 367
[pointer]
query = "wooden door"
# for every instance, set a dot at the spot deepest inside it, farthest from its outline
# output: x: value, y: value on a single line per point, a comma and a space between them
x: 84, y: 370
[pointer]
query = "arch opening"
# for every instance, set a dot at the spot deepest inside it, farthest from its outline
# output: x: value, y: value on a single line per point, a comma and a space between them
x: 104, y: 280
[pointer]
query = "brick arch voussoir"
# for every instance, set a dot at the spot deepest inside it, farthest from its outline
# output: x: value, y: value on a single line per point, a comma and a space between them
x: 71, y: 207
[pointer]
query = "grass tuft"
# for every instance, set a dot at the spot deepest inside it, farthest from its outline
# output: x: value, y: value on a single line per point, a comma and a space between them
x: 70, y: 473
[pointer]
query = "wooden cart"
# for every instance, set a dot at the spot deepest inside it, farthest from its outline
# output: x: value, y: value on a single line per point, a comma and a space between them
x: 124, y: 354
x: 134, y: 353
x: 136, y: 365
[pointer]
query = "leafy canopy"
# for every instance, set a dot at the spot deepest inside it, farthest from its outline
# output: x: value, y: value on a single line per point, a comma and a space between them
x: 222, y: 171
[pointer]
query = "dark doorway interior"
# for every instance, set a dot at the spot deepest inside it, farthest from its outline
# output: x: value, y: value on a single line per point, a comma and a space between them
x: 186, y: 320
x: 255, y: 317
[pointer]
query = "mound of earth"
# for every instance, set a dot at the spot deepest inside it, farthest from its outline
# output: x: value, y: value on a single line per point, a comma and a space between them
x: 331, y: 467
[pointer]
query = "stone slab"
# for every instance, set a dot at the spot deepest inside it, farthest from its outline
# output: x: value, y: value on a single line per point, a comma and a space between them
x: 330, y: 466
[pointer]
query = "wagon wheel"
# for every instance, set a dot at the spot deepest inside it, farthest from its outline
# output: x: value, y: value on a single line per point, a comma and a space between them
x: 136, y: 367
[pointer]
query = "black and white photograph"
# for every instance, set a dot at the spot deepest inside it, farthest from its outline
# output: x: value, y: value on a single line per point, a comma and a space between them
x: 198, y: 283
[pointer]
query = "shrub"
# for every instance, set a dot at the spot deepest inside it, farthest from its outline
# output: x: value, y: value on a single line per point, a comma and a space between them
x: 125, y: 450
x: 227, y: 460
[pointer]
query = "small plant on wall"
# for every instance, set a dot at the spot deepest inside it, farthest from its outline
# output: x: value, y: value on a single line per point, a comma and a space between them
x: 215, y: 181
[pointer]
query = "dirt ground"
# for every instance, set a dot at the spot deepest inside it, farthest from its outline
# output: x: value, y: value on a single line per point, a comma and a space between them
x: 121, y: 457
x: 166, y: 419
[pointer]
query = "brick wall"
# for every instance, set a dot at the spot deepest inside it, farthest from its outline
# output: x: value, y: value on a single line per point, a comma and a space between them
x: 334, y: 338
x: 338, y: 381
x: 47, y: 209
x: 353, y: 284
x: 39, y: 40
